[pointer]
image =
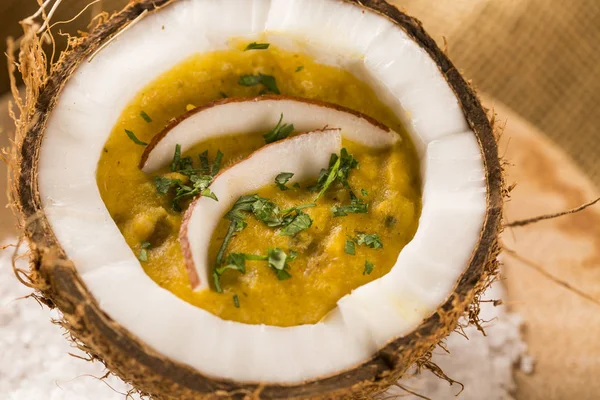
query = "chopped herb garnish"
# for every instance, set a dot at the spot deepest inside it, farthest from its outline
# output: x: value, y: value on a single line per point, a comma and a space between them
x: 204, y: 167
x: 350, y: 248
x: 282, y: 179
x: 208, y: 193
x: 267, y: 80
x: 270, y: 82
x: 338, y: 171
x: 223, y: 95
x: 134, y: 139
x: 390, y: 221
x: 176, y: 158
x: 216, y: 167
x: 278, y: 261
x: 163, y: 185
x: 277, y: 258
x: 369, y: 240
x: 145, y: 116
x: 257, y: 46
x: 267, y: 212
x: 368, y: 268
x: 300, y: 68
x: 143, y: 256
x: 357, y: 206
x: 296, y: 185
x: 236, y: 301
x: 300, y: 222
x: 279, y: 132
x: 199, y: 179
x: 364, y: 192
x: 249, y: 80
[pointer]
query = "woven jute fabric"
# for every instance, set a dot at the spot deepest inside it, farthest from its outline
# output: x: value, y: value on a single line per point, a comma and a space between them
x: 539, y: 57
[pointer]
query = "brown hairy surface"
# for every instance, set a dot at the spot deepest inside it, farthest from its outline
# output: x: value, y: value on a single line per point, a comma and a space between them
x: 58, y: 283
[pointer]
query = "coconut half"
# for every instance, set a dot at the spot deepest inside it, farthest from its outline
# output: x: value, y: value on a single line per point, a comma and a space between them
x: 303, y: 155
x: 172, y: 350
x: 260, y: 114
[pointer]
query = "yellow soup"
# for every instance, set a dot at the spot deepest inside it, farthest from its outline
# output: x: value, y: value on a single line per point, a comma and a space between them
x: 322, y: 272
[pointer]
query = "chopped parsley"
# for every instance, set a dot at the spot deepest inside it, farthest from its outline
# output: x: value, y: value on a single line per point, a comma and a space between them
x: 279, y: 132
x: 267, y: 80
x: 134, y: 138
x: 277, y: 259
x: 338, y: 171
x: 368, y: 268
x: 143, y: 256
x: 145, y: 116
x: 223, y: 95
x: 282, y: 179
x: 236, y: 301
x: 300, y: 68
x: 364, y: 192
x: 369, y: 240
x: 356, y: 206
x: 198, y: 179
x: 257, y: 46
x: 300, y: 222
x: 350, y: 248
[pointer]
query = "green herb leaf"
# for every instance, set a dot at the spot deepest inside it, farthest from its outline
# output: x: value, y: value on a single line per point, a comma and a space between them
x: 244, y: 203
x: 270, y: 83
x: 292, y: 255
x: 277, y: 259
x: 210, y: 194
x: 235, y: 262
x: 204, y: 168
x: 143, y: 256
x: 223, y: 95
x: 350, y: 248
x: 145, y: 116
x: 216, y: 167
x: 163, y: 185
x: 176, y: 158
x: 368, y: 268
x: 282, y: 274
x: 134, y: 139
x: 236, y: 301
x: 249, y: 80
x: 300, y: 68
x: 279, y: 132
x: 369, y: 240
x: 257, y: 46
x: 357, y: 206
x: 300, y: 222
x: 282, y: 179
x: 364, y: 192
x: 331, y: 175
x: 267, y: 212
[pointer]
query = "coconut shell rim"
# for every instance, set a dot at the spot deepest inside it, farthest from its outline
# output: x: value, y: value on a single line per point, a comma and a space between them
x: 150, y: 372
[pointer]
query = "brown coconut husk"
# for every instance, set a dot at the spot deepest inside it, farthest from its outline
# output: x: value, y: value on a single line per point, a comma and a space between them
x: 59, y: 285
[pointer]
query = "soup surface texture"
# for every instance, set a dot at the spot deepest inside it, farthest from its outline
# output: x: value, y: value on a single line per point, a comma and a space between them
x: 323, y: 271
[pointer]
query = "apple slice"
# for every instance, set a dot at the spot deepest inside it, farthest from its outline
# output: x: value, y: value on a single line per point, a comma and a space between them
x: 261, y: 114
x: 304, y: 155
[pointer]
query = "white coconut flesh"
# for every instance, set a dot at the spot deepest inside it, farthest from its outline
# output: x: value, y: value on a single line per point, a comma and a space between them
x: 303, y: 155
x: 261, y: 115
x: 366, y: 43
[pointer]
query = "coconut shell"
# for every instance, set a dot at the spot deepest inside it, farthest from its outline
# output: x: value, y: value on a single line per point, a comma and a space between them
x: 59, y: 283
